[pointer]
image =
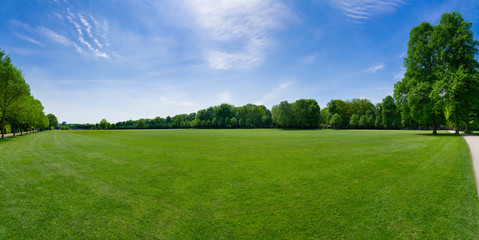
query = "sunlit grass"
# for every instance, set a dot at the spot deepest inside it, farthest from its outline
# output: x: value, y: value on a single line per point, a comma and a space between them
x: 227, y: 184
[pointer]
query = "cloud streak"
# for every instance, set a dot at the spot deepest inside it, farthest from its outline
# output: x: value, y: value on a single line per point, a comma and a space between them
x: 274, y: 93
x: 91, y: 42
x: 359, y: 11
x: 376, y: 68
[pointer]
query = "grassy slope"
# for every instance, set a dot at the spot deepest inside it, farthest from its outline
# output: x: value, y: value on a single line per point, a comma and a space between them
x: 237, y: 183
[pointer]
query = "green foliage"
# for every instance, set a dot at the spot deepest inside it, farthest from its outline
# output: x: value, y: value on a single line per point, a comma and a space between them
x: 363, y: 121
x: 52, y: 121
x: 354, y: 121
x: 12, y: 88
x: 141, y: 124
x: 441, y: 75
x: 389, y: 114
x: 336, y: 121
x: 103, y: 124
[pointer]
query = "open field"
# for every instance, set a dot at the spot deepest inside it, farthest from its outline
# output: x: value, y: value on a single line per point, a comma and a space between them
x: 227, y: 184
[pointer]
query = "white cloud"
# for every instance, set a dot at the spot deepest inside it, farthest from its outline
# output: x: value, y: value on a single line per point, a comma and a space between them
x: 171, y: 102
x: 28, y: 39
x: 86, y: 24
x: 90, y: 41
x: 225, y: 97
x: 55, y: 37
x: 376, y: 68
x: 359, y: 11
x: 274, y: 93
x: 241, y: 25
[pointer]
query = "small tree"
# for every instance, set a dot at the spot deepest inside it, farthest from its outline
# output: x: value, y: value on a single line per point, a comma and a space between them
x: 52, y: 120
x: 354, y: 121
x: 103, y: 124
x: 363, y: 121
x: 336, y: 121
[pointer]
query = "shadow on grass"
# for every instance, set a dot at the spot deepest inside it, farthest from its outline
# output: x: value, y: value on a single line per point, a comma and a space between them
x: 5, y: 140
x: 439, y: 134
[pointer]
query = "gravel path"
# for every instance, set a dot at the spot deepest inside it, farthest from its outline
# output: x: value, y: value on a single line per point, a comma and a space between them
x: 473, y: 142
x: 11, y: 134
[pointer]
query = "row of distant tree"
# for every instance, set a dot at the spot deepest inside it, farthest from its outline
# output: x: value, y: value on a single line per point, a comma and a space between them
x: 19, y: 110
x: 301, y: 114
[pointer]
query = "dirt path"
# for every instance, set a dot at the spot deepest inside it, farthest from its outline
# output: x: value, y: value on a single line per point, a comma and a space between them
x: 473, y: 142
x: 11, y: 134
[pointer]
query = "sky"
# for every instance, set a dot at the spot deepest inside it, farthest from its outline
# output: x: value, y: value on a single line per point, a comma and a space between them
x: 120, y: 60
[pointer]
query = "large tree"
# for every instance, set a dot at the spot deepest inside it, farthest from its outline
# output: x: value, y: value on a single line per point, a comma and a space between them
x: 418, y: 94
x: 52, y: 120
x: 12, y: 88
x: 457, y: 50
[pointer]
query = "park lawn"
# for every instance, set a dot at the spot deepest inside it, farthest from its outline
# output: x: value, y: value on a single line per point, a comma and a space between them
x: 229, y: 184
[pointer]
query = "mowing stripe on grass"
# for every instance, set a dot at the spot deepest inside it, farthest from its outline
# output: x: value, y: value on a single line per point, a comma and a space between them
x: 230, y: 184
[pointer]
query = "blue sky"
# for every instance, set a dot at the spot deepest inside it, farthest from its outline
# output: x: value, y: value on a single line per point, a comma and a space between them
x: 121, y: 60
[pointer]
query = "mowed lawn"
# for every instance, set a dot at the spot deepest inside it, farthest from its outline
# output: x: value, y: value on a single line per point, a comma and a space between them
x: 229, y: 184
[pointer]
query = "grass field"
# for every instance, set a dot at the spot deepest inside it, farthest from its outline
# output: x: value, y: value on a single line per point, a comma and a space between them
x: 229, y: 184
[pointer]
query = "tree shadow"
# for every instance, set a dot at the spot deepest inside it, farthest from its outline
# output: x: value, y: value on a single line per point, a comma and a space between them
x: 439, y: 134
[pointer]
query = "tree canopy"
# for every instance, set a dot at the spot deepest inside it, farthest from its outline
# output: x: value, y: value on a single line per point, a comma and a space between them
x: 441, y: 79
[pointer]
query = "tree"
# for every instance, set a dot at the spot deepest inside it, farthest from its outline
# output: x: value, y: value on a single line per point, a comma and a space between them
x: 363, y: 121
x: 234, y: 122
x: 354, y: 121
x: 283, y: 115
x: 306, y: 113
x: 12, y: 88
x: 336, y: 121
x: 389, y: 113
x: 52, y: 120
x: 141, y: 124
x: 457, y: 49
x: 419, y: 94
x: 103, y: 124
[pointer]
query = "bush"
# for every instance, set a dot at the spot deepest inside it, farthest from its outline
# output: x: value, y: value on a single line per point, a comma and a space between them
x: 64, y: 128
x: 336, y: 121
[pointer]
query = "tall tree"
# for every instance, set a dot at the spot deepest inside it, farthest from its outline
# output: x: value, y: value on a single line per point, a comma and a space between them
x: 12, y: 88
x: 389, y: 113
x: 52, y: 120
x: 419, y: 94
x: 457, y: 51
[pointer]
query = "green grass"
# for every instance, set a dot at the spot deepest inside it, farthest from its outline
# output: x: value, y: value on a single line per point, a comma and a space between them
x: 229, y: 184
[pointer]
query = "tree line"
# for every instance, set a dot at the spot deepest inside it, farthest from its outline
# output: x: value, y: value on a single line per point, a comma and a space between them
x: 19, y: 110
x: 301, y: 114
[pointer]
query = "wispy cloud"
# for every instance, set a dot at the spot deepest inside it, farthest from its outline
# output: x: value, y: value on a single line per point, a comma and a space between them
x: 172, y: 102
x: 275, y: 92
x: 244, y: 26
x: 90, y: 41
x: 359, y: 11
x: 375, y: 68
x: 54, y: 37
x: 28, y: 39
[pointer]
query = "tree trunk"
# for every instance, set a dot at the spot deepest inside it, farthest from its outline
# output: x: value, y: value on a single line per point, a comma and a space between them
x: 467, y: 130
x: 456, y: 120
x: 434, y: 125
x: 3, y: 123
